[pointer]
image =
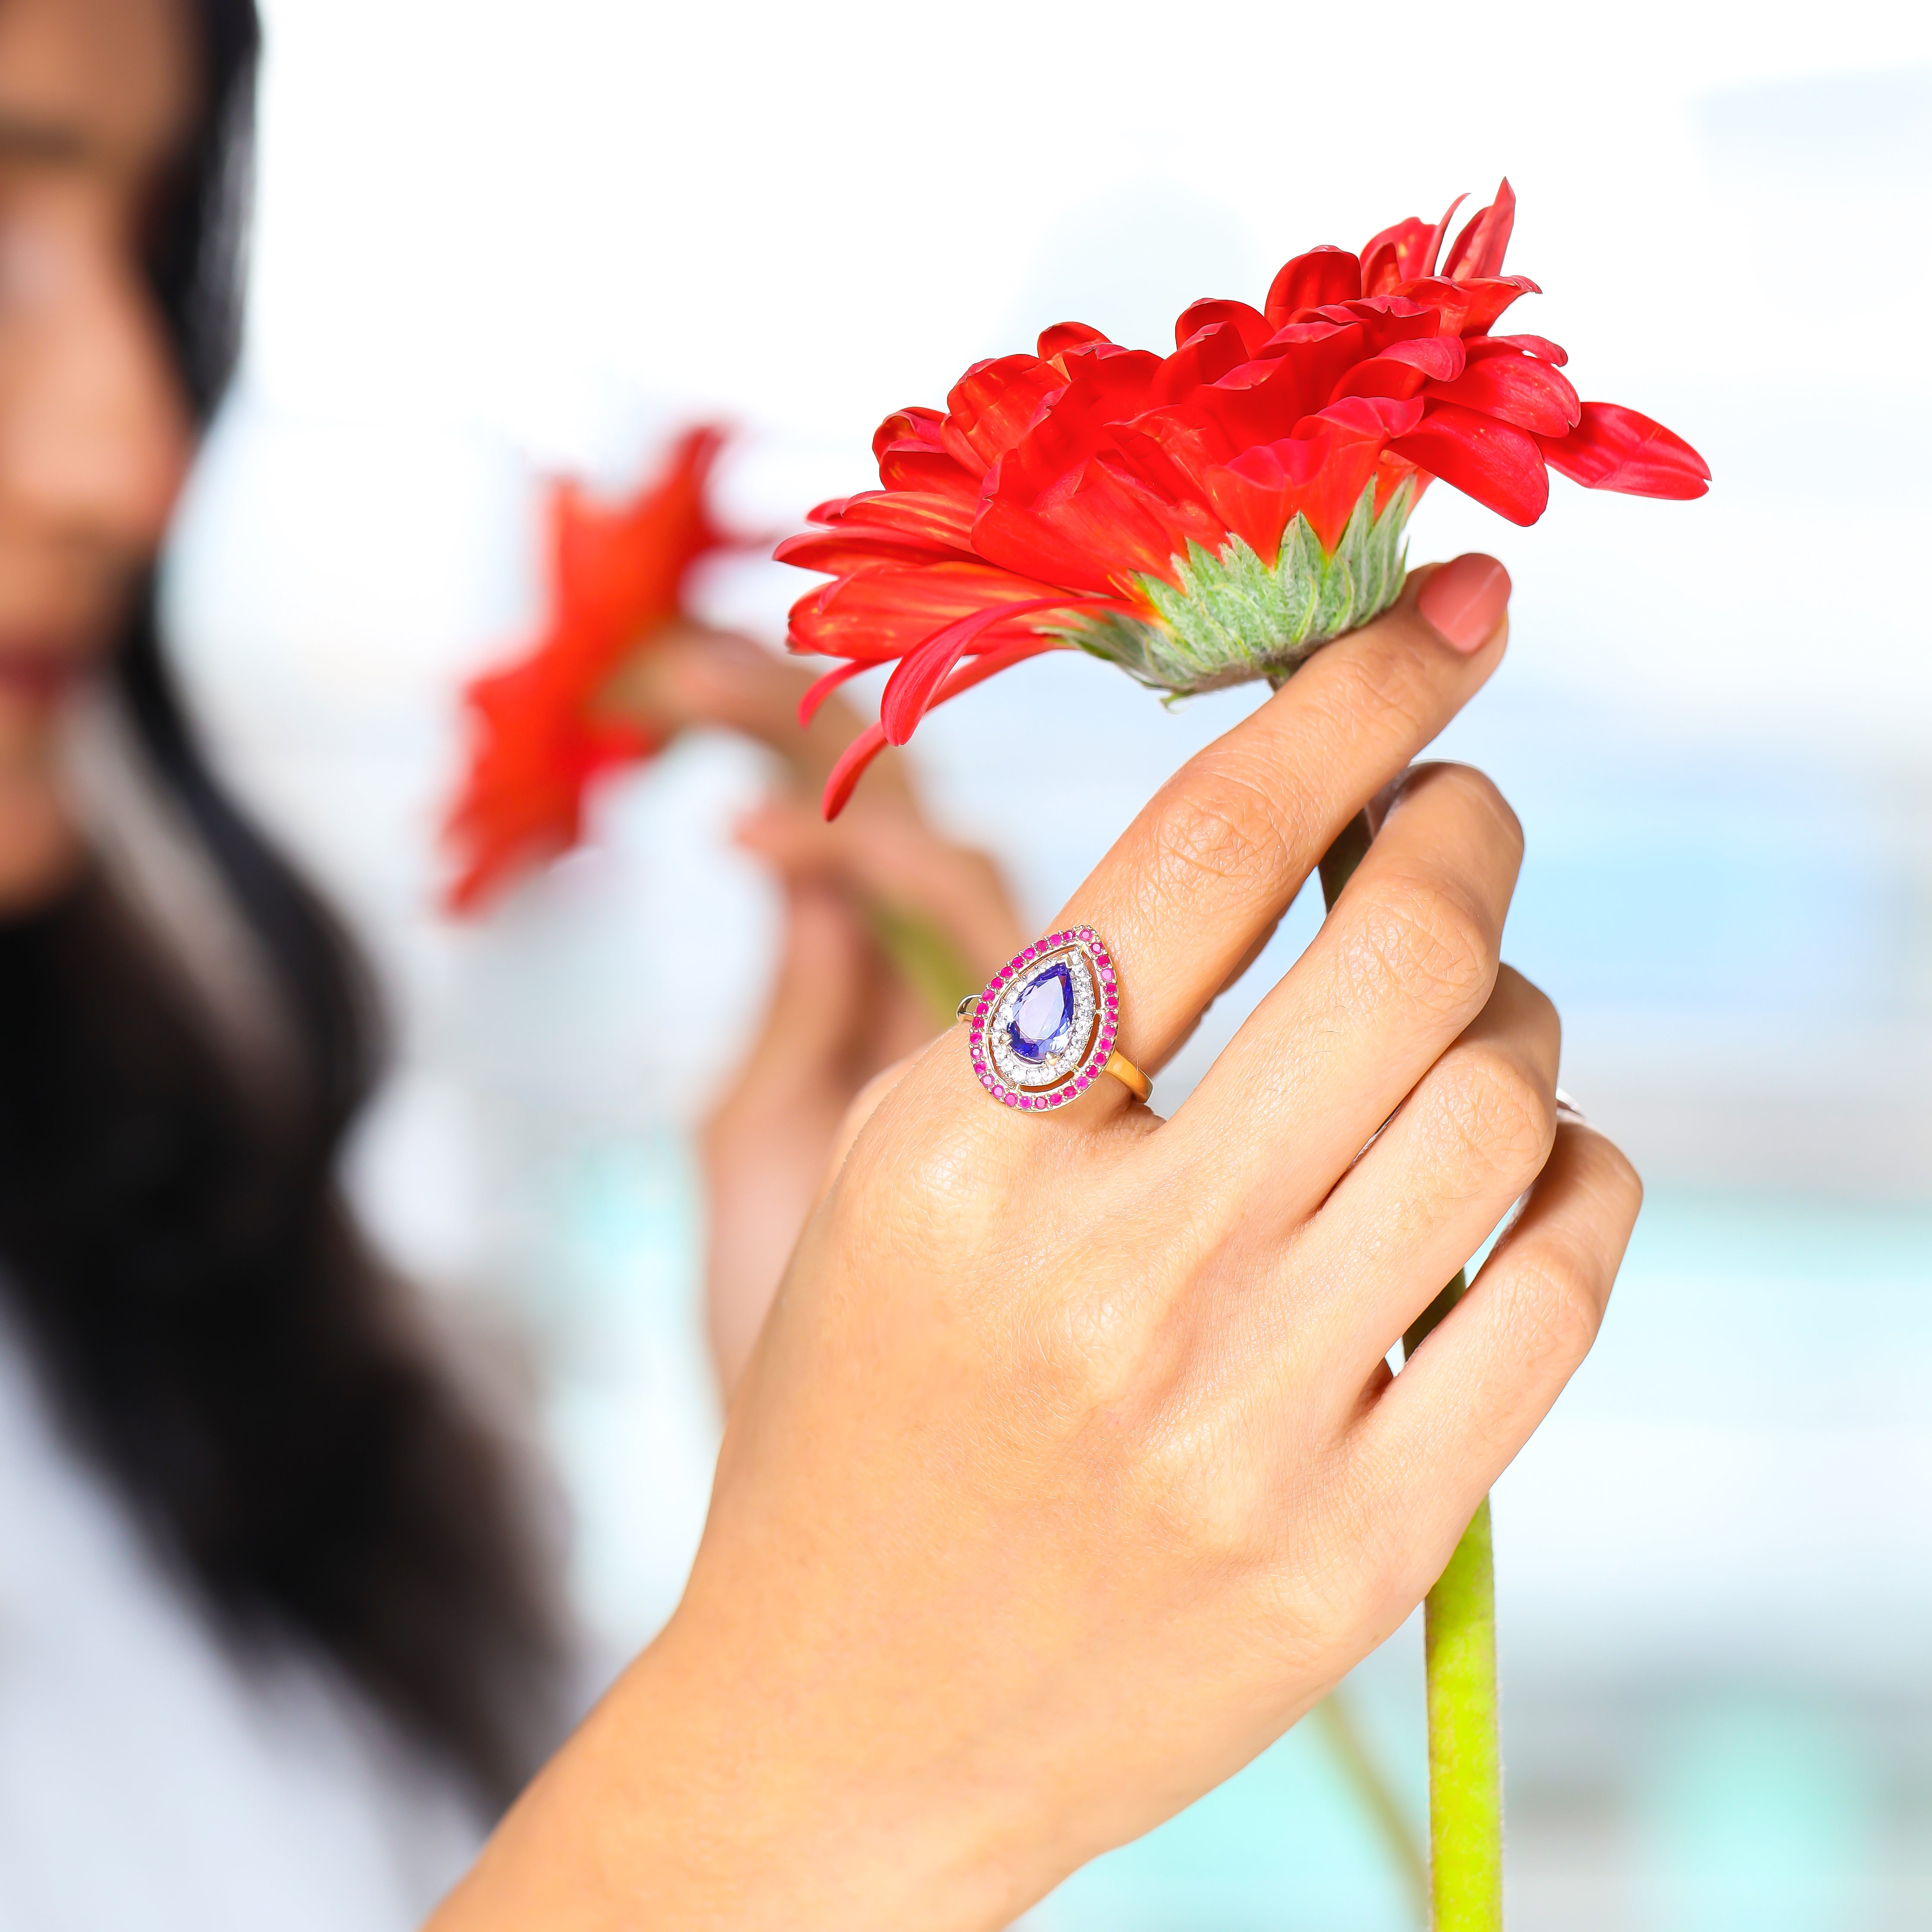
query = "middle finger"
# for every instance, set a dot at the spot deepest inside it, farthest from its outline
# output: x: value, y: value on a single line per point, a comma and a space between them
x: 1403, y: 964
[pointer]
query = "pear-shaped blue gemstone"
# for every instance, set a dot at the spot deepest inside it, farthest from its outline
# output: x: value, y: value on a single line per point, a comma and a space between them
x: 1043, y: 1014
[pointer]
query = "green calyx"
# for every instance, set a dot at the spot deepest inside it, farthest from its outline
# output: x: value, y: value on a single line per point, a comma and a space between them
x: 1232, y: 618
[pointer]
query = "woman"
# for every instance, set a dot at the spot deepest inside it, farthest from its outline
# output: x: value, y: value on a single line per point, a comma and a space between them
x: 272, y: 1640
x: 273, y: 1628
x: 1067, y: 1470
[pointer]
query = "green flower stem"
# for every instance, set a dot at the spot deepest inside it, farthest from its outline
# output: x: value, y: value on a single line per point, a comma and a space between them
x: 1335, y: 1718
x: 1465, y: 1810
x: 1466, y: 1821
x: 924, y: 957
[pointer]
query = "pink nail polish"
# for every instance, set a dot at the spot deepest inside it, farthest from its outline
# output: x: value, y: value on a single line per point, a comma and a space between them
x: 1465, y: 599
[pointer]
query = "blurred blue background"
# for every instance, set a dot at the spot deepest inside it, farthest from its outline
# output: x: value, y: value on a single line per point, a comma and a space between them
x: 496, y: 241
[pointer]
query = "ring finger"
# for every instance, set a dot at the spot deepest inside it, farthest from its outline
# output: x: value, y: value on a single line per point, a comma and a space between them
x: 1458, y: 1152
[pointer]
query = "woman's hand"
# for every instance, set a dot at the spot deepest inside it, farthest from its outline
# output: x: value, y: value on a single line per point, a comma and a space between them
x: 843, y: 1008
x: 1068, y: 1472
x: 869, y: 900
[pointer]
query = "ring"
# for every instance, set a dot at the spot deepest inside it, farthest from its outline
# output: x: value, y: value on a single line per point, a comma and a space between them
x: 1043, y: 1030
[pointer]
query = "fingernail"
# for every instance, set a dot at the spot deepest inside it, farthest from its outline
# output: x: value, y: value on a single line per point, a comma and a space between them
x: 1567, y: 1109
x: 1465, y: 599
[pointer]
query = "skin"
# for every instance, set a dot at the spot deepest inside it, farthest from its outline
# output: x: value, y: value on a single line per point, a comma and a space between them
x: 1067, y: 1471
x: 96, y: 98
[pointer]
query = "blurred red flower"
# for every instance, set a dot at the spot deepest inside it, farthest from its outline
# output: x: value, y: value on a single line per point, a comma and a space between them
x: 1213, y: 515
x: 617, y: 574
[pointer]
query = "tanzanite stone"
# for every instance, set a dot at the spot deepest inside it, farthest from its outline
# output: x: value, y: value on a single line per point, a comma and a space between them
x: 1043, y: 1015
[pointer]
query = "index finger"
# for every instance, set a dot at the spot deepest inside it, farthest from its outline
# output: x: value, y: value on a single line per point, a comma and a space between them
x: 1188, y: 893
x: 688, y: 675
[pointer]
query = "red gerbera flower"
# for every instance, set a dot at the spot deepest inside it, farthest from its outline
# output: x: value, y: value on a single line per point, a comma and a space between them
x: 617, y: 574
x: 1213, y: 515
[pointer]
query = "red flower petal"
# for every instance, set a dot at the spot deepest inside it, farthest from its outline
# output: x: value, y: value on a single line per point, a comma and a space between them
x: 1530, y: 345
x: 914, y: 426
x: 851, y: 768
x: 1516, y: 389
x: 1321, y: 275
x: 1065, y: 335
x: 993, y: 405
x: 1254, y: 328
x: 881, y: 612
x: 1612, y: 447
x: 871, y: 742
x: 942, y: 520
x: 1262, y: 401
x: 1402, y: 368
x: 1479, y: 250
x: 1468, y: 308
x: 910, y: 692
x: 835, y: 552
x: 1090, y: 529
x: 1484, y: 459
x: 1406, y: 250
x: 821, y: 688
x: 1206, y: 356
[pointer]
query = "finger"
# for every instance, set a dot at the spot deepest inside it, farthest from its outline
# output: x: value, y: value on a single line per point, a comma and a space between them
x: 686, y: 676
x: 898, y: 861
x: 1222, y: 847
x: 822, y: 969
x: 1451, y: 1422
x: 1460, y: 1151
x: 1404, y: 962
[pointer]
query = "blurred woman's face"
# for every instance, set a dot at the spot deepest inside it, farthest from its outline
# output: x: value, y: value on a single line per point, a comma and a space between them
x: 97, y: 99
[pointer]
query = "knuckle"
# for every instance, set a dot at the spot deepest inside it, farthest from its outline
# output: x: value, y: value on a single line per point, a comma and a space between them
x: 1223, y: 823
x: 1435, y: 952
x: 1554, y: 1308
x: 1498, y: 1114
x: 1195, y: 1483
x: 1538, y: 1009
x: 1080, y: 1355
x: 1618, y: 1183
x: 1481, y: 794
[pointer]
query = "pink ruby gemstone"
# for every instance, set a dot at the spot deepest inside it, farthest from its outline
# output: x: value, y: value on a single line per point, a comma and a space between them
x: 1010, y: 1099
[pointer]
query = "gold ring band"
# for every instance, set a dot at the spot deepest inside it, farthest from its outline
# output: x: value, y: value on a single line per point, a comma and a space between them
x: 1129, y: 1076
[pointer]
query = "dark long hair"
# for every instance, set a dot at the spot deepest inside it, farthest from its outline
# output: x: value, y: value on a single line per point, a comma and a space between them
x: 217, y: 1334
